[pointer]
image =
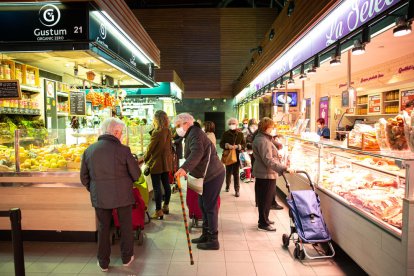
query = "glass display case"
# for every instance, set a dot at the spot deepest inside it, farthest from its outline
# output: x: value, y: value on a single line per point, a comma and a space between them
x: 373, y: 184
x: 57, y: 150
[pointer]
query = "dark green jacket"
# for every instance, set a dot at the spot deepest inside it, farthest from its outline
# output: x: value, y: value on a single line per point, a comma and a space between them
x: 108, y: 171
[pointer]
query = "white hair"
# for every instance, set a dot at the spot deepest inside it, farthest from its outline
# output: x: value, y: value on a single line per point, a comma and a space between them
x: 232, y: 120
x: 184, y: 117
x: 110, y: 125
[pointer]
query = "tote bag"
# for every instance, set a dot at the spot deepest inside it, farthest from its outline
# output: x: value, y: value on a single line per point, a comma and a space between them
x: 229, y: 157
x: 196, y: 184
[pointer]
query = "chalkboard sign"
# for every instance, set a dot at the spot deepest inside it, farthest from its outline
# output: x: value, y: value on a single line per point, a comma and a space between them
x: 10, y: 89
x: 77, y: 103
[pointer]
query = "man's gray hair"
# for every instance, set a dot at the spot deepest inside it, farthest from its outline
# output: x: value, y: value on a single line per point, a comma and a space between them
x: 110, y: 125
x: 232, y: 121
x: 184, y: 117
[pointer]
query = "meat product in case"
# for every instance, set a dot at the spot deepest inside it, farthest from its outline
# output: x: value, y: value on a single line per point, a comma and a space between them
x: 394, y: 132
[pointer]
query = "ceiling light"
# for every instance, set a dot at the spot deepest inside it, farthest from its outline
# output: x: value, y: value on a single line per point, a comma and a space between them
x: 272, y: 34
x: 291, y: 81
x: 291, y: 7
x: 302, y: 72
x: 403, y: 27
x: 281, y: 84
x: 336, y: 57
x: 312, y: 69
x: 359, y: 48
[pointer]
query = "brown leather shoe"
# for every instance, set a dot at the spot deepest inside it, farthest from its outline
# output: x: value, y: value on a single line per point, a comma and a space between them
x: 159, y: 214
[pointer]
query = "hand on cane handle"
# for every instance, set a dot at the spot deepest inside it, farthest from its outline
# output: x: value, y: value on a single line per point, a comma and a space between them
x: 180, y: 173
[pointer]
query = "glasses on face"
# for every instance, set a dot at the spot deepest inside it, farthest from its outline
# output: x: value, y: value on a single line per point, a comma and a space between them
x: 179, y: 125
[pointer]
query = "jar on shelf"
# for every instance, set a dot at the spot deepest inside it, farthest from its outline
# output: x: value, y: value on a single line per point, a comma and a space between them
x: 6, y: 72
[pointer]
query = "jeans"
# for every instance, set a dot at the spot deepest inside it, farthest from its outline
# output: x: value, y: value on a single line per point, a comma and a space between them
x: 208, y: 202
x: 104, y: 217
x: 265, y: 193
x: 157, y: 179
x: 233, y: 169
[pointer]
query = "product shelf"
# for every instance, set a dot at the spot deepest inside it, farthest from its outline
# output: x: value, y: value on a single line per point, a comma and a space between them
x: 19, y: 111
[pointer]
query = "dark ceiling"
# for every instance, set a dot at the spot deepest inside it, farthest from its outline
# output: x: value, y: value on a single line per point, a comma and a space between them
x: 166, y: 4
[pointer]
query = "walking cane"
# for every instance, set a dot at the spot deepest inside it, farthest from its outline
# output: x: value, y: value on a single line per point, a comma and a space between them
x: 185, y: 221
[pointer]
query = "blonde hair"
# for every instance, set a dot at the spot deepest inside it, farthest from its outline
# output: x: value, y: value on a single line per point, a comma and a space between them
x: 161, y: 119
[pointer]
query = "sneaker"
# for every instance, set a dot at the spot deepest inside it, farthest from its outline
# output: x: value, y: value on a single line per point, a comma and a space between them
x: 102, y: 269
x: 270, y: 222
x: 266, y: 228
x: 130, y: 261
x: 276, y: 207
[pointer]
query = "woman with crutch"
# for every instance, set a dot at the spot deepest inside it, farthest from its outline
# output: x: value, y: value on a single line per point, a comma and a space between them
x: 201, y: 161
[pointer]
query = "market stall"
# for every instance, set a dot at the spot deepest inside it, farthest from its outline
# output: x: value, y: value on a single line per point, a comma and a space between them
x: 58, y: 79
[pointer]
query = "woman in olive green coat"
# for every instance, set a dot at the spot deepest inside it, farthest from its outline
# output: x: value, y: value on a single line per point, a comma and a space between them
x: 159, y: 159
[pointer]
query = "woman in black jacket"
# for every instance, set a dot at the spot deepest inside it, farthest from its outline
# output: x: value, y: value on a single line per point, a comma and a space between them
x: 201, y: 157
x: 233, y: 139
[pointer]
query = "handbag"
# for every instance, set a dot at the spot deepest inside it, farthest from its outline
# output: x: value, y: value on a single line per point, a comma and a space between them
x: 229, y: 157
x: 196, y: 184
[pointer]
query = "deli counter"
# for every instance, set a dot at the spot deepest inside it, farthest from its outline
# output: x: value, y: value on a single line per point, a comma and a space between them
x: 40, y: 175
x: 367, y: 200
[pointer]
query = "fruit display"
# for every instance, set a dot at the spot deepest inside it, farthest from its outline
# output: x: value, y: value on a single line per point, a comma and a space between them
x: 100, y: 99
x: 394, y: 132
x: 51, y: 158
x: 7, y: 158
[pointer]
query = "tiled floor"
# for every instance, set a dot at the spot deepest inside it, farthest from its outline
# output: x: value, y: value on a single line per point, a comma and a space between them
x: 244, y: 250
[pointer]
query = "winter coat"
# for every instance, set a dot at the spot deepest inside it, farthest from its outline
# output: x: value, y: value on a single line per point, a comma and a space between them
x: 108, y: 171
x: 196, y: 154
x: 266, y: 164
x: 159, y: 155
x: 233, y: 137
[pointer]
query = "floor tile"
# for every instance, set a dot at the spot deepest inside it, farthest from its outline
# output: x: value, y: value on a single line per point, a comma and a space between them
x: 211, y: 268
x: 238, y: 256
x: 182, y: 255
x: 262, y: 245
x: 240, y: 269
x: 210, y: 256
x: 268, y: 269
x: 181, y: 268
x: 264, y: 256
x: 235, y: 245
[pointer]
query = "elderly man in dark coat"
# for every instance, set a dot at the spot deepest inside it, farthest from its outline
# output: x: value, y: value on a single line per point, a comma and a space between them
x: 108, y: 171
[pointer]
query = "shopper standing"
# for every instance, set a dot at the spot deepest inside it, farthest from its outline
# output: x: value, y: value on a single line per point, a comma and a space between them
x: 159, y: 159
x: 248, y: 136
x: 209, y: 129
x: 266, y: 169
x: 233, y: 139
x: 201, y: 157
x: 108, y: 171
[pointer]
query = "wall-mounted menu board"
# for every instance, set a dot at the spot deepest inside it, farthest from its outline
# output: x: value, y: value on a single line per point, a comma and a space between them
x: 77, y: 103
x: 374, y: 104
x: 10, y: 89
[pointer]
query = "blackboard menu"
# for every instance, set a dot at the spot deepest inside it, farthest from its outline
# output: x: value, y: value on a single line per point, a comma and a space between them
x: 77, y: 103
x: 10, y: 89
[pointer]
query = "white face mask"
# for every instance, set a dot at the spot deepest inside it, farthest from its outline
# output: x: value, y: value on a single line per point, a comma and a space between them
x: 232, y: 127
x: 253, y: 128
x: 245, y: 125
x: 273, y: 132
x: 180, y: 131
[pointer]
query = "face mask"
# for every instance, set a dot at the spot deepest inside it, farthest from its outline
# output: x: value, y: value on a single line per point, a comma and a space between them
x: 253, y: 128
x: 232, y: 127
x: 203, y: 129
x: 273, y: 132
x: 245, y: 125
x: 180, y: 131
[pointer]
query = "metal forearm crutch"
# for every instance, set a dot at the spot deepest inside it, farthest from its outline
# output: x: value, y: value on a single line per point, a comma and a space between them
x: 185, y: 221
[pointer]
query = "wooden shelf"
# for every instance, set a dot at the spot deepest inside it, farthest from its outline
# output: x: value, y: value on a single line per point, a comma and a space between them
x: 27, y: 88
x: 362, y: 104
x: 62, y: 114
x: 371, y: 115
x: 393, y: 101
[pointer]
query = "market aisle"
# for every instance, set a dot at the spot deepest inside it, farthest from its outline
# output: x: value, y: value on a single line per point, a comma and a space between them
x: 244, y: 250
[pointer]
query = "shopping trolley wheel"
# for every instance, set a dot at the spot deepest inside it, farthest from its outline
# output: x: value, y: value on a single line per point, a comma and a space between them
x: 296, y: 251
x: 285, y: 240
x: 302, y: 255
x: 140, y: 236
x: 242, y: 176
x: 113, y: 238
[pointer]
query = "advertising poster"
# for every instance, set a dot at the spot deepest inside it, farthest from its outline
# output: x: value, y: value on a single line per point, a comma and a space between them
x: 406, y: 96
x: 324, y: 109
x: 374, y: 104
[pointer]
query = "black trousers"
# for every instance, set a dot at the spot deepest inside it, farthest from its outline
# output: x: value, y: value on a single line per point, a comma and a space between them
x: 104, y: 217
x: 208, y: 202
x: 274, y: 202
x: 233, y: 169
x: 157, y: 179
x: 265, y: 192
